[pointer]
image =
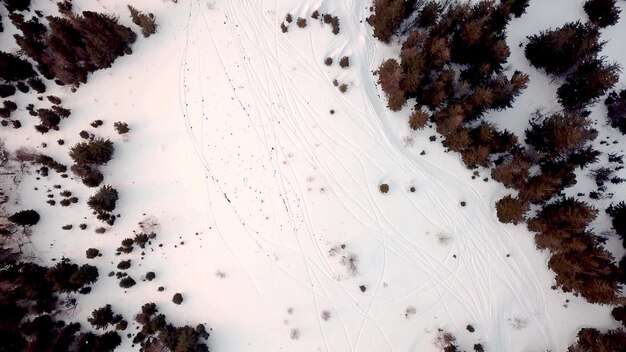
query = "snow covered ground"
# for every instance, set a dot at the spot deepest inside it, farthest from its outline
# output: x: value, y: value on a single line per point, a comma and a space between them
x: 265, y: 199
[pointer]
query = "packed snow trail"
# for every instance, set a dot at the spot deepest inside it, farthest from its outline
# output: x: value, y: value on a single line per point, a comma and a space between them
x: 297, y: 181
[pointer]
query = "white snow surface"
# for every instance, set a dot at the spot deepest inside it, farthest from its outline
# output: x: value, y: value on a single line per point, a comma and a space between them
x: 233, y: 149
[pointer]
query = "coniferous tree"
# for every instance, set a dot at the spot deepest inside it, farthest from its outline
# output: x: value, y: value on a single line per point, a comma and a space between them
x: 559, y: 50
x: 104, y: 200
x: 603, y: 13
x: 98, y: 151
x: 511, y: 210
x: 588, y: 82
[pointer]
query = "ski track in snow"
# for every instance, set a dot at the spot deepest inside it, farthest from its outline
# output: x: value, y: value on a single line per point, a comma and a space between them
x: 271, y: 98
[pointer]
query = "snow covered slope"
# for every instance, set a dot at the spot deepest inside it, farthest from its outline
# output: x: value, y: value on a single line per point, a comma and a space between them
x: 288, y: 244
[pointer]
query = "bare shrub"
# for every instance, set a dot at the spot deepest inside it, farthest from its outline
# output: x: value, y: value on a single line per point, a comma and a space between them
x: 294, y: 334
x: 301, y: 22
x: 351, y: 262
x: 326, y: 315
x: 444, y: 339
x: 409, y: 311
x: 145, y: 21
x: 518, y: 323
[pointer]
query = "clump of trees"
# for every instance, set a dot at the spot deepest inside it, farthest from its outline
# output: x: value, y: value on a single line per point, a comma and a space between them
x: 594, y: 340
x: 571, y: 51
x: 73, y: 45
x: 451, y: 62
x: 102, y: 317
x: 559, y: 50
x: 95, y: 152
x: 157, y: 334
x: 88, y: 156
x: 388, y: 16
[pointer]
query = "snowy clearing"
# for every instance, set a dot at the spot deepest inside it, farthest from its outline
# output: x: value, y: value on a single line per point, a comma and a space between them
x: 289, y: 245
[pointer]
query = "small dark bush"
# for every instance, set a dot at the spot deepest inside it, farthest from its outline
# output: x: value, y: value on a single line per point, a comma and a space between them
x: 96, y: 123
x: 124, y: 264
x: 288, y: 18
x: 54, y: 99
x: 150, y: 275
x: 384, y: 188
x: 92, y: 253
x: 127, y: 282
x: 328, y: 61
x: 616, y: 106
x: 8, y: 104
x: 177, y: 298
x: 121, y: 127
x: 6, y: 90
x: 90, y: 176
x: 37, y: 85
x: 25, y: 218
x: 301, y: 22
x: 98, y: 151
x: 344, y: 62
x: 104, y: 200
x: 103, y: 317
x: 315, y: 14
